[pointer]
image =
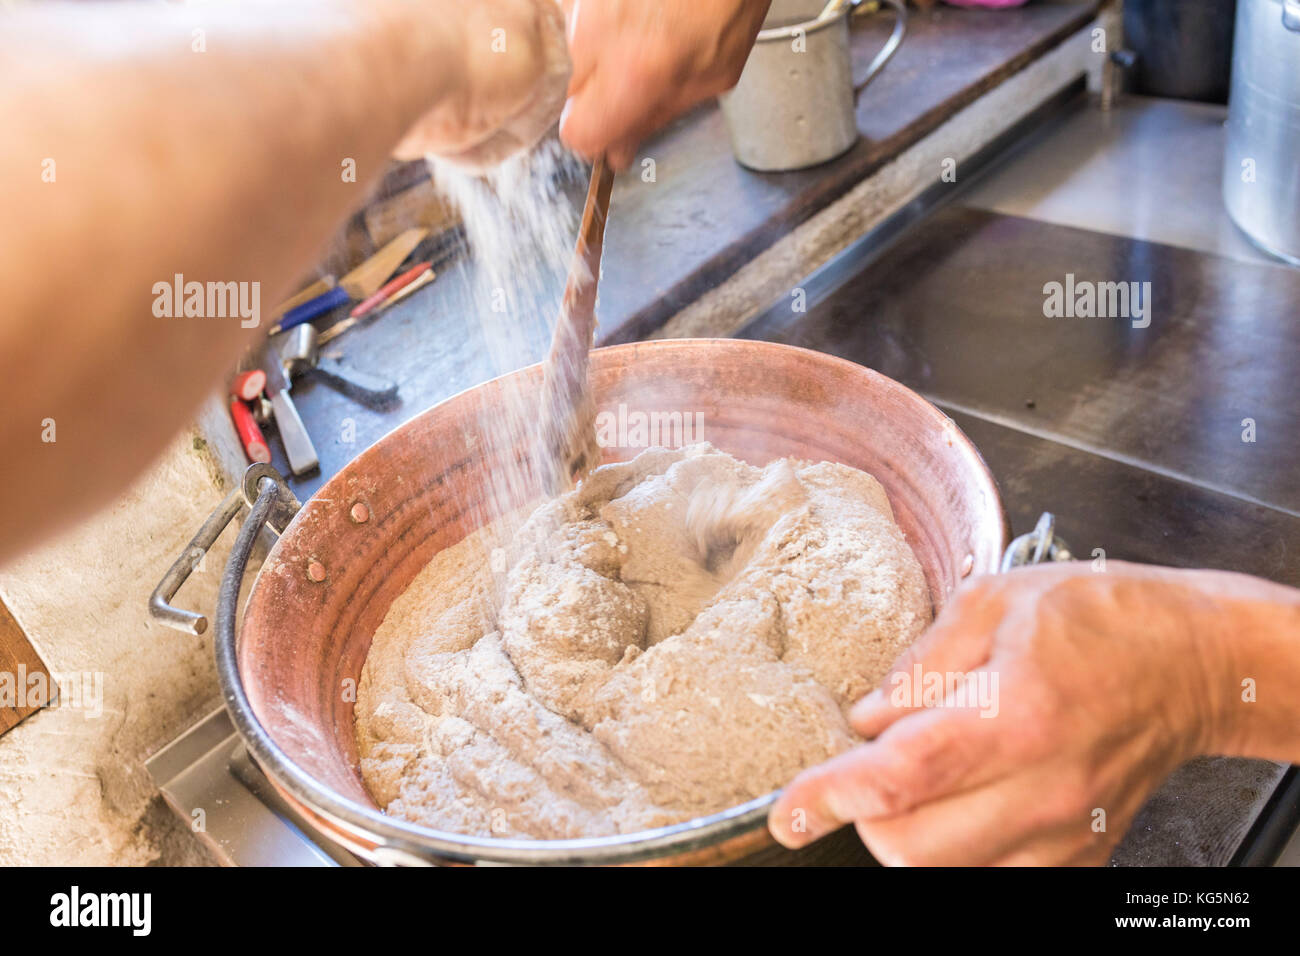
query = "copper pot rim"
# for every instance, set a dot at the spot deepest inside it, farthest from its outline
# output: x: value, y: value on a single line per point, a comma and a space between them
x: 371, y: 833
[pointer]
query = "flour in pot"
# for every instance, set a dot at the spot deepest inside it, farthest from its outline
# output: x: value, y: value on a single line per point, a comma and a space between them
x: 680, y: 634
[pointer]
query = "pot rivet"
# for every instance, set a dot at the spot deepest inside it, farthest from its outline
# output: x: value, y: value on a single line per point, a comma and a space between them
x: 968, y: 565
x: 316, y: 571
x: 360, y: 513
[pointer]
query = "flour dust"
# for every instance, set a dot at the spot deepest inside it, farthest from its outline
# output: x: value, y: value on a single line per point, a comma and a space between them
x: 519, y: 229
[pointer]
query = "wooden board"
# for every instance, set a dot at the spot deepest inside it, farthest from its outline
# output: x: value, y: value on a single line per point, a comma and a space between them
x: 25, y: 683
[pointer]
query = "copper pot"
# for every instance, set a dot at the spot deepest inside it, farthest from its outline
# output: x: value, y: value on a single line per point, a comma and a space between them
x: 352, y: 549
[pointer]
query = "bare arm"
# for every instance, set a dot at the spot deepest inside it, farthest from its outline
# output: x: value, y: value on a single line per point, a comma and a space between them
x: 1258, y: 624
x: 130, y: 156
x: 1071, y: 694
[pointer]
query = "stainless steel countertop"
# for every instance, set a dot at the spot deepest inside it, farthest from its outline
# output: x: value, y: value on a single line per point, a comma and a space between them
x: 1148, y: 169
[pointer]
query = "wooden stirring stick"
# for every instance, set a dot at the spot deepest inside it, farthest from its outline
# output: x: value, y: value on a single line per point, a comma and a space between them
x: 569, y: 449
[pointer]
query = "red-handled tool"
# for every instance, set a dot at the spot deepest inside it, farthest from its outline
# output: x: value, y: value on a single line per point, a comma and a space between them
x: 248, y: 385
x: 406, y: 289
x: 389, y: 289
x: 250, y: 436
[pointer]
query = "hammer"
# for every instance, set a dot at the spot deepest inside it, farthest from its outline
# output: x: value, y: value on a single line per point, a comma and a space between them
x: 300, y: 354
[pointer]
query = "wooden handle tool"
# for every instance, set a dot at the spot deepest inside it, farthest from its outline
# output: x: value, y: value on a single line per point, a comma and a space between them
x: 361, y: 283
x: 569, y: 448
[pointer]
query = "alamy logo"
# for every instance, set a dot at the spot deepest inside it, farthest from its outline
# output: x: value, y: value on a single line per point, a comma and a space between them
x: 77, y: 690
x: 955, y: 689
x: 625, y: 429
x: 1101, y: 300
x: 74, y: 908
x: 211, y: 300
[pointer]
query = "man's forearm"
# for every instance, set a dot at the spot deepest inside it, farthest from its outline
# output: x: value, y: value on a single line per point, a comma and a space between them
x: 1257, y: 628
x: 144, y: 142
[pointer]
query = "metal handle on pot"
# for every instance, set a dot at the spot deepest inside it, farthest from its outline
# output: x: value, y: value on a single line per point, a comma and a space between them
x: 887, y: 51
x: 285, y: 506
x: 1036, y: 547
x: 267, y: 508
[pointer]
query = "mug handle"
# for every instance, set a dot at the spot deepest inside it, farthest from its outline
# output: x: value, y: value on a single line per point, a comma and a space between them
x: 895, y: 38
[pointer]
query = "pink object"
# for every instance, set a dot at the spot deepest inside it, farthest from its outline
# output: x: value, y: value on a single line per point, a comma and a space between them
x: 250, y: 435
x: 987, y: 3
x: 248, y: 385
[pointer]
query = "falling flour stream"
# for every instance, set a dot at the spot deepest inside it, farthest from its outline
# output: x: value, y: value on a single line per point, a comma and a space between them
x: 519, y: 227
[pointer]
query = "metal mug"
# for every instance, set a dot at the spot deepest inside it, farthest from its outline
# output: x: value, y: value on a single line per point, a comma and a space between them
x: 796, y: 103
x: 1261, y: 171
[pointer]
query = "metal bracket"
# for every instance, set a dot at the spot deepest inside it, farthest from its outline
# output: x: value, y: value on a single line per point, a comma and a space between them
x: 286, y: 502
x: 1038, y: 546
x: 285, y: 507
